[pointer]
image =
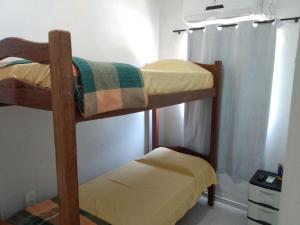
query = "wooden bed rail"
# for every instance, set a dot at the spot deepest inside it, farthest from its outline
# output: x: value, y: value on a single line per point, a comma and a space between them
x: 21, y: 93
x: 209, y: 67
x: 24, y: 49
x: 20, y: 48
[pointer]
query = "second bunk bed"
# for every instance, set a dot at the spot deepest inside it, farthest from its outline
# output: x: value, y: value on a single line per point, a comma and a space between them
x: 158, y: 188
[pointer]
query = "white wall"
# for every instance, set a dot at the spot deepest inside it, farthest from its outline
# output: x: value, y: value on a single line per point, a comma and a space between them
x: 290, y: 198
x: 171, y: 46
x: 115, y: 30
x: 287, y: 8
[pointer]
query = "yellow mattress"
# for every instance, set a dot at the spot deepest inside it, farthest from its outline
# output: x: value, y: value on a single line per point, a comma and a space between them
x: 171, y: 76
x: 162, y: 77
x: 148, y: 191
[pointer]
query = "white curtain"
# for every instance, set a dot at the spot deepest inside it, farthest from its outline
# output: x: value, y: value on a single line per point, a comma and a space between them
x: 248, y: 55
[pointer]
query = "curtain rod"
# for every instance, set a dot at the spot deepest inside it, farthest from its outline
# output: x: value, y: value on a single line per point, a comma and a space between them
x: 296, y: 19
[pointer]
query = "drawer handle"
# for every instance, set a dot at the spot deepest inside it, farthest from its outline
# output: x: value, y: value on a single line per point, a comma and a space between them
x: 267, y: 193
x: 258, y: 221
x: 266, y: 211
x: 263, y: 205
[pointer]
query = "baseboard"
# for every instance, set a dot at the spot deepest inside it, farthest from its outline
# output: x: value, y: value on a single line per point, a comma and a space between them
x: 229, y: 202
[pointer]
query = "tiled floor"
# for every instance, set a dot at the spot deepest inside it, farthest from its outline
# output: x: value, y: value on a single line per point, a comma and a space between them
x: 220, y: 214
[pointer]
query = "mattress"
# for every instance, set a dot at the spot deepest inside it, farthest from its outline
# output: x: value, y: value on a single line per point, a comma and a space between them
x: 171, y: 76
x: 157, y: 189
x: 162, y: 77
x: 148, y: 191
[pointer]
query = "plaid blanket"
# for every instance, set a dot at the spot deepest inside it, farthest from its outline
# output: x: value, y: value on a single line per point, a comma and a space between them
x: 102, y: 87
x: 46, y: 213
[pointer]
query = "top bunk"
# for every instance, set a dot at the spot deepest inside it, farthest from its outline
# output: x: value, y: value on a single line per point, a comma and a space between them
x: 56, y: 59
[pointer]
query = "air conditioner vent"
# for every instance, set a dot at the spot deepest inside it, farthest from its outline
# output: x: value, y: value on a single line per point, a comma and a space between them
x: 214, y: 7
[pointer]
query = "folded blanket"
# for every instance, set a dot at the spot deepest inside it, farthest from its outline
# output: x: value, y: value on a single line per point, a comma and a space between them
x: 46, y: 213
x: 102, y: 87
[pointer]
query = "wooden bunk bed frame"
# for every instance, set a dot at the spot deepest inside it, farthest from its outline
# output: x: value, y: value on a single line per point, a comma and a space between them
x: 60, y: 100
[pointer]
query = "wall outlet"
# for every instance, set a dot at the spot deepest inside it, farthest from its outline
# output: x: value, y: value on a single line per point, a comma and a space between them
x: 30, y: 198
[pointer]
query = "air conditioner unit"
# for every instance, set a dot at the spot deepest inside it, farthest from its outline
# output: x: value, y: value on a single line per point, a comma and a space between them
x: 206, y: 10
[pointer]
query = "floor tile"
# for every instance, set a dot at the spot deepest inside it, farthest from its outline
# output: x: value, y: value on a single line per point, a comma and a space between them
x: 220, y: 214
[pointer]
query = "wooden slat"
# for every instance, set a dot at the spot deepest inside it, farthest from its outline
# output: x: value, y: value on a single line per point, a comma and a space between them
x: 16, y: 92
x: 155, y: 128
x: 215, y: 121
x: 211, y: 195
x: 215, y: 115
x: 17, y: 47
x: 157, y: 101
x: 63, y: 105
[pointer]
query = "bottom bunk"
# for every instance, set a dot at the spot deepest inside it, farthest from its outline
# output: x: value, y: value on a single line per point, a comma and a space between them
x: 158, y: 188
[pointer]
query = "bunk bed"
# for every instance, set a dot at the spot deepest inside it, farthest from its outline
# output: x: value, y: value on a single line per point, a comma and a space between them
x: 60, y: 99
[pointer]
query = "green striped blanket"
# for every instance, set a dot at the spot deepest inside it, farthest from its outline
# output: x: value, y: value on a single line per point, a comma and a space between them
x: 102, y: 87
x: 46, y: 213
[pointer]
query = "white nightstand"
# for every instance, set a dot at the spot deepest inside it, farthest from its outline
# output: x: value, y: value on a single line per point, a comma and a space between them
x: 264, y: 199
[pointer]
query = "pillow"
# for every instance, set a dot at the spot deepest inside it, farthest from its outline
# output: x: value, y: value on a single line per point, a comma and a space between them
x: 196, y: 167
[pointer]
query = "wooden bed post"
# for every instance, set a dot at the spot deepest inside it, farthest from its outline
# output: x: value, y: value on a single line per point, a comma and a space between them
x: 155, y: 128
x: 63, y: 106
x: 215, y: 127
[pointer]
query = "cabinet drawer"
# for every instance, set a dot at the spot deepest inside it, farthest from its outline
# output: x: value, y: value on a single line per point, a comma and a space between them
x: 263, y: 214
x: 264, y: 196
x: 251, y: 222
